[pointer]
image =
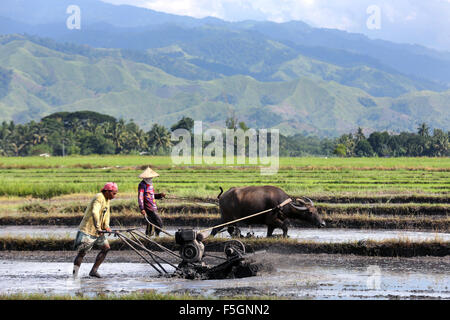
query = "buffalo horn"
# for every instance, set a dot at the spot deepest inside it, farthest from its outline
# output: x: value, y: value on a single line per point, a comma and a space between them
x: 301, y: 201
x: 299, y: 208
x: 310, y: 201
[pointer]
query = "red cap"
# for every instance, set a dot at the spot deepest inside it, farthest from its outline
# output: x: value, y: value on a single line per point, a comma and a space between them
x: 110, y: 186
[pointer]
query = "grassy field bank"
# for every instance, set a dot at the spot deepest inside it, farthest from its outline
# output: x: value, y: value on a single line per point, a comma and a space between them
x: 385, y: 248
x: 316, y: 177
x: 403, y: 193
x: 165, y: 161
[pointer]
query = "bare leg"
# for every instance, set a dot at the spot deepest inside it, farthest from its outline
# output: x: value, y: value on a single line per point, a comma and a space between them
x: 98, y: 261
x: 77, y: 262
x: 79, y: 258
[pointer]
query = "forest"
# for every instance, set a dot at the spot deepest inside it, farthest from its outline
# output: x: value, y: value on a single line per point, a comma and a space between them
x: 87, y: 132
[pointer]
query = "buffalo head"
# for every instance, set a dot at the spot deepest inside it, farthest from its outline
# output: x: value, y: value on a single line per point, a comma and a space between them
x: 304, y: 209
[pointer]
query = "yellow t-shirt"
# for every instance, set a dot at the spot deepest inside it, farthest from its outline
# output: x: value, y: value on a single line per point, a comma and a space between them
x: 97, y: 215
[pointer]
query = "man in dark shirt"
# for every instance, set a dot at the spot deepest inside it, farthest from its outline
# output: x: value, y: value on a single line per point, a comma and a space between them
x: 146, y: 200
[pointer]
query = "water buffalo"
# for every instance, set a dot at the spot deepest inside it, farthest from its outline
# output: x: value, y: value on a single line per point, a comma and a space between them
x: 244, y: 201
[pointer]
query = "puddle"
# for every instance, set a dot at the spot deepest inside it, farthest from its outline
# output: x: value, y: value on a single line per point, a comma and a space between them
x: 317, y: 235
x: 299, y: 277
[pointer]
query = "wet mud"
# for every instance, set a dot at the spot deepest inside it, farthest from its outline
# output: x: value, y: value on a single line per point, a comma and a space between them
x: 283, y: 274
x: 296, y: 276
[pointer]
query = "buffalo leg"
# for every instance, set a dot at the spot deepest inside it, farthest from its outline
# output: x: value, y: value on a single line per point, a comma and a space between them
x: 270, y: 231
x: 234, y: 232
x: 284, y: 227
x: 214, y: 231
x: 277, y: 224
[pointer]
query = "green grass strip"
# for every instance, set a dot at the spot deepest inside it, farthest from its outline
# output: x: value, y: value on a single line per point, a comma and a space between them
x: 385, y: 248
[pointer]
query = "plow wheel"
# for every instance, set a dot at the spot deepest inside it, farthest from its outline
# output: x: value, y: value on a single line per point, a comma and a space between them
x: 234, y: 248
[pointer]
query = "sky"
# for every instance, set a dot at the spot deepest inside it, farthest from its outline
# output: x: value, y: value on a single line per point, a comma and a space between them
x: 425, y: 22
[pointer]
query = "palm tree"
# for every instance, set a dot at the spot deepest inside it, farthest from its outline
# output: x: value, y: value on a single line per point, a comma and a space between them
x: 424, y: 130
x: 20, y: 138
x: 159, y: 138
x: 136, y: 138
x: 38, y: 134
x: 4, y: 138
x: 349, y: 142
x: 117, y: 132
x: 3, y: 145
x: 359, y: 136
x: 441, y: 143
x: 141, y: 139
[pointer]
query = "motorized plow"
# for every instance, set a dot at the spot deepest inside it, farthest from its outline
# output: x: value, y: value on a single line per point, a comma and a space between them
x: 190, y: 264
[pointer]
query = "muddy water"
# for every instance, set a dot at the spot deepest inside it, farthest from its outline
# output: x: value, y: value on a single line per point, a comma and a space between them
x: 293, y: 276
x: 317, y: 235
x: 296, y: 277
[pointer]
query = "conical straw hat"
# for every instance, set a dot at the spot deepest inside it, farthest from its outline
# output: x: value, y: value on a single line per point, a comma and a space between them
x: 148, y: 173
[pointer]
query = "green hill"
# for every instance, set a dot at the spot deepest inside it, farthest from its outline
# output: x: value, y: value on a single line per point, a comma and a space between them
x: 305, y: 95
x: 375, y: 82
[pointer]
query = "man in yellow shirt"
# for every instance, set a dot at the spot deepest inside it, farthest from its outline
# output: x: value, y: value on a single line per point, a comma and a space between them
x: 96, y: 219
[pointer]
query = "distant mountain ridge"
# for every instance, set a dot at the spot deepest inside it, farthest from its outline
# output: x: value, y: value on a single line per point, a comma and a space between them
x: 152, y: 67
x: 213, y: 57
x: 123, y: 26
x: 41, y: 76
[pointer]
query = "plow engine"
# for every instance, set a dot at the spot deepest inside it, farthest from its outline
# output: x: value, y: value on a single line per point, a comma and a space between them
x: 192, y: 251
x: 191, y: 246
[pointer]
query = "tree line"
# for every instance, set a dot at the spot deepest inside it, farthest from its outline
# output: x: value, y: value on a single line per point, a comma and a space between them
x: 405, y: 144
x: 87, y: 132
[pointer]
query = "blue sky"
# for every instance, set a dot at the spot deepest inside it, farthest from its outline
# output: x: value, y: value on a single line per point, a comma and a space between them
x: 425, y: 22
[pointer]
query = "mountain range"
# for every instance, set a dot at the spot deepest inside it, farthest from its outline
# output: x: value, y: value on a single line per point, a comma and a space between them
x: 155, y: 68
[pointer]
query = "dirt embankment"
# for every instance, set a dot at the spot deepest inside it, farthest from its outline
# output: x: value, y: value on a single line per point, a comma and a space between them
x: 323, y: 208
x: 387, y: 248
x: 441, y: 223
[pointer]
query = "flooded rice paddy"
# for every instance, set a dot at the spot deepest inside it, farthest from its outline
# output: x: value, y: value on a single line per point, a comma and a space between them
x: 294, y: 277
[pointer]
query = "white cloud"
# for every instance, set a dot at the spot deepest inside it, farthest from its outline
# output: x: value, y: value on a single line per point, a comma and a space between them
x: 411, y: 16
x: 194, y: 8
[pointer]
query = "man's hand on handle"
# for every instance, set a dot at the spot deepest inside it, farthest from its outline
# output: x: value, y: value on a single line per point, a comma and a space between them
x: 107, y: 230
